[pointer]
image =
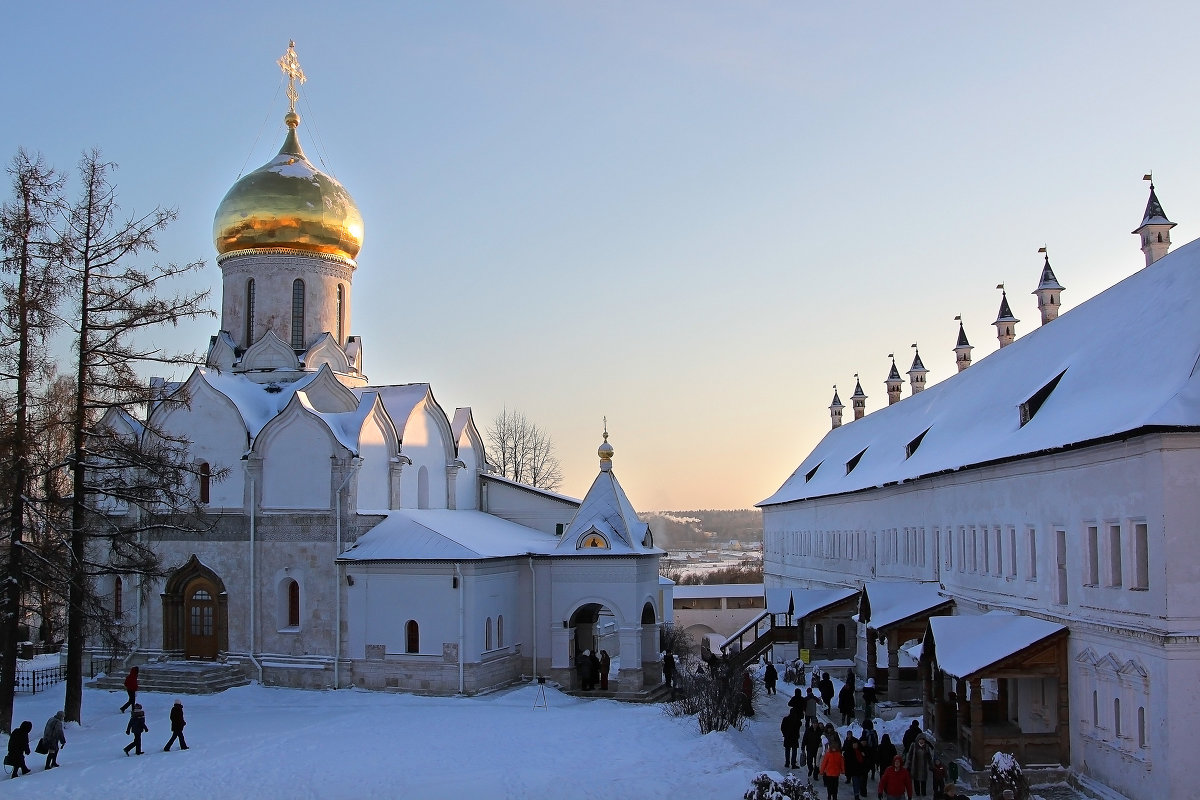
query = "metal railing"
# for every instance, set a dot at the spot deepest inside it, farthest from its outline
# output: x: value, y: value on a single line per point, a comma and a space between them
x: 38, y: 680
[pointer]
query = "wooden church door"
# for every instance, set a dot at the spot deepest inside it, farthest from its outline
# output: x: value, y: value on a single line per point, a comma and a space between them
x: 200, y: 640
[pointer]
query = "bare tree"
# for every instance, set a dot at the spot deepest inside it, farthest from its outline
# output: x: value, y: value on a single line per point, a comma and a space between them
x: 128, y: 480
x: 30, y: 291
x: 523, y: 451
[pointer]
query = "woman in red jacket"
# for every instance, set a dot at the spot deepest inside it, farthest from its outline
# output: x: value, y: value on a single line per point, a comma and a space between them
x: 131, y: 687
x: 895, y: 782
x: 833, y: 766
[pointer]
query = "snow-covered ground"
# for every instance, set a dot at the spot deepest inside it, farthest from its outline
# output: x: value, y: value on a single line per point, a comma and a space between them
x: 260, y: 742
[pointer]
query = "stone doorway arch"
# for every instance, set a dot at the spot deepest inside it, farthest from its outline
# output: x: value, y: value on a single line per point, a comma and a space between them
x: 195, y: 612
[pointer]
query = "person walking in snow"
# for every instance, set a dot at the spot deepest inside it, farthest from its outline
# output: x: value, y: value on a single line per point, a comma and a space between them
x: 826, y: 687
x: 919, y: 761
x: 177, y: 723
x: 870, y: 746
x: 131, y: 687
x: 870, y: 697
x: 895, y: 783
x: 832, y: 769
x: 811, y: 743
x: 846, y: 703
x: 911, y: 734
x: 790, y: 728
x: 53, y: 738
x: 669, y: 670
x: 18, y: 748
x: 770, y: 677
x: 885, y: 753
x: 856, y: 767
x: 137, y: 726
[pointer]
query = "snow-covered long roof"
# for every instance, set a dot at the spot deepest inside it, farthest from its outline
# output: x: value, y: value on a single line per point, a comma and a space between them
x: 693, y: 591
x: 966, y: 644
x: 447, y: 535
x: 896, y: 601
x: 1127, y: 360
x: 805, y: 601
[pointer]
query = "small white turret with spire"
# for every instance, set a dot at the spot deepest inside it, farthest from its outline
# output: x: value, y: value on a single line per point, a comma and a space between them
x: 962, y: 350
x: 1006, y: 323
x: 917, y: 372
x: 1049, y: 291
x: 894, y: 382
x: 858, y: 399
x: 835, y: 409
x: 1155, y: 229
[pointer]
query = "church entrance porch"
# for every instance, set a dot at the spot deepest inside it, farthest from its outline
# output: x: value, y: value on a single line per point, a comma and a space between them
x: 195, y: 612
x: 593, y: 631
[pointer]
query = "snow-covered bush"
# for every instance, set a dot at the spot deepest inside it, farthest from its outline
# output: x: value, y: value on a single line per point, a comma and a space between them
x: 1004, y: 773
x: 764, y: 787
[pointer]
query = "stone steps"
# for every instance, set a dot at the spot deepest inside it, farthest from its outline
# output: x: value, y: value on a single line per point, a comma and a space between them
x: 178, y: 677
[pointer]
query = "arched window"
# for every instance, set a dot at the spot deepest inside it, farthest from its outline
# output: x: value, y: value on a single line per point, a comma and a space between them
x: 423, y: 488
x: 341, y: 315
x: 487, y: 634
x: 412, y: 637
x: 1117, y: 717
x: 118, y: 597
x: 293, y: 608
x: 1095, y: 709
x: 841, y: 637
x: 204, y: 475
x: 1141, y: 726
x: 249, y: 312
x: 500, y: 631
x: 297, y: 314
x: 819, y: 636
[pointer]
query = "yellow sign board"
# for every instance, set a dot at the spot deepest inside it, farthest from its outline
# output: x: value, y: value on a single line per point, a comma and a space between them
x: 805, y: 656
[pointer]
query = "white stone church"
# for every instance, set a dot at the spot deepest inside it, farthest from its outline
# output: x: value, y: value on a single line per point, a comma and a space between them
x: 1029, y: 528
x: 360, y: 537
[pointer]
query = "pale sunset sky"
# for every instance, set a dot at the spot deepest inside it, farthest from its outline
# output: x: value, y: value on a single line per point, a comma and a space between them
x: 693, y: 218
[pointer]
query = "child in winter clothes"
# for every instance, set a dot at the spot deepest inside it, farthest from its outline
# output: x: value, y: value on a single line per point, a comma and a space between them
x: 137, y: 726
x: 177, y: 723
x: 52, y: 736
x: 18, y: 748
x: 939, y: 776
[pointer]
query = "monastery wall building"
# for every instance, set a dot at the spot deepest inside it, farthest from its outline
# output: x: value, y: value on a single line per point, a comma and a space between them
x: 1053, y: 486
x: 360, y: 536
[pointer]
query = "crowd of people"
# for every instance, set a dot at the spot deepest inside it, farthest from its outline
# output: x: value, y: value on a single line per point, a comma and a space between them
x: 907, y: 770
x: 54, y: 739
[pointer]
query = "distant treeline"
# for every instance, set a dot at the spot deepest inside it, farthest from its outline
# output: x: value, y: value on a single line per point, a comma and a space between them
x: 739, y: 574
x: 704, y: 528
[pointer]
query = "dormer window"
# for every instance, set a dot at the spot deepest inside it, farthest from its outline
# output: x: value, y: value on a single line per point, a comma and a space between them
x: 1034, y: 403
x: 593, y: 541
x: 808, y: 476
x: 912, y: 446
x: 852, y: 463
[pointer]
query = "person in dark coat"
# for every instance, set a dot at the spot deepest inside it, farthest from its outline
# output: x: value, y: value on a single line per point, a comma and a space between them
x: 910, y: 735
x: 587, y: 675
x: 53, y: 737
x: 770, y: 677
x: 870, y: 697
x: 669, y: 669
x: 790, y: 728
x: 131, y: 687
x: 177, y: 723
x: 605, y: 666
x: 846, y: 703
x: 799, y: 701
x: 18, y: 748
x: 747, y: 694
x: 885, y: 753
x: 870, y: 746
x: 137, y: 726
x: 811, y: 742
x: 826, y: 687
x: 856, y: 766
x: 595, y: 659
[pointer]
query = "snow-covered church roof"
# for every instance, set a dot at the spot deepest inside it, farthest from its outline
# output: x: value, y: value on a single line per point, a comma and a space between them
x: 606, y: 521
x: 445, y: 534
x: 1124, y: 360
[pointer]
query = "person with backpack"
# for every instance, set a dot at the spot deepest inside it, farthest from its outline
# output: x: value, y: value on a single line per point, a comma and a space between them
x: 137, y: 726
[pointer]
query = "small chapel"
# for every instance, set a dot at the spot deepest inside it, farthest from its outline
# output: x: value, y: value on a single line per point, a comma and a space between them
x: 358, y: 535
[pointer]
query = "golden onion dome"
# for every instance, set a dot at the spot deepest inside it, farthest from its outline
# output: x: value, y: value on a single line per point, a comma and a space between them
x: 288, y: 203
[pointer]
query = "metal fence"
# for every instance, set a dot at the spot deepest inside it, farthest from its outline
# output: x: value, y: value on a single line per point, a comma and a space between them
x: 39, y: 680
